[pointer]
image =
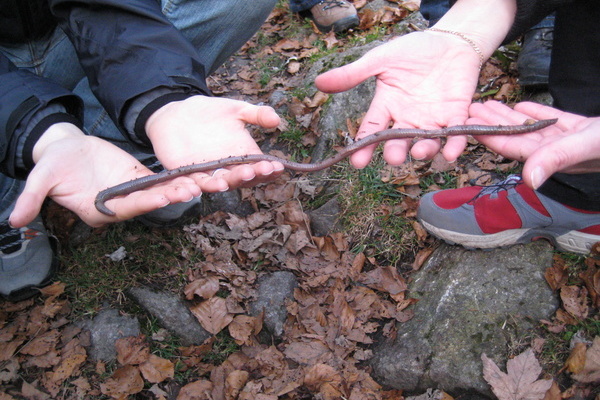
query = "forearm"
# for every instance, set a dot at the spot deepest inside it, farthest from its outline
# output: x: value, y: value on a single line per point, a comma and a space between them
x: 486, y: 22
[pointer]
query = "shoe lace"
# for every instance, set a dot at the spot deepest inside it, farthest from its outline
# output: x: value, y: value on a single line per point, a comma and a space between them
x: 509, y: 183
x: 333, y: 3
x: 10, y: 238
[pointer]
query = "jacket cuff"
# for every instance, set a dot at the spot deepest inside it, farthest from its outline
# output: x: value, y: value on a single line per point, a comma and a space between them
x: 139, y: 129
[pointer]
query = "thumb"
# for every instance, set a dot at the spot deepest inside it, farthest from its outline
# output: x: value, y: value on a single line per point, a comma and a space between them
x: 562, y: 155
x: 28, y: 205
x: 264, y: 116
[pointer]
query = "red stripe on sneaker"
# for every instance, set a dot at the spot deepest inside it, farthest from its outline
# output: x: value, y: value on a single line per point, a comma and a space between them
x: 496, y: 214
x: 530, y: 197
x: 592, y: 230
x: 453, y: 198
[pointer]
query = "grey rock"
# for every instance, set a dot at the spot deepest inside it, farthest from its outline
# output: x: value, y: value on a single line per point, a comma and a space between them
x: 172, y: 314
x: 325, y: 219
x: 273, y: 291
x: 341, y: 106
x: 105, y: 329
x: 470, y: 302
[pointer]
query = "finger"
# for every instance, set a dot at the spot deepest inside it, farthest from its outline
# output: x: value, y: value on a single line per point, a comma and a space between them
x: 375, y: 120
x: 454, y: 147
x: 27, y: 207
x: 540, y: 111
x: 29, y: 202
x: 494, y: 112
x: 559, y: 156
x: 346, y: 77
x: 264, y: 116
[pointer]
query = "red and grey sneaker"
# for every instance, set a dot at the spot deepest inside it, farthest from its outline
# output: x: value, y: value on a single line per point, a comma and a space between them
x: 28, y: 260
x: 505, y: 214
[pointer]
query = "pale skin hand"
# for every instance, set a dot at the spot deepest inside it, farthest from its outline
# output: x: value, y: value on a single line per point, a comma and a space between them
x: 425, y: 79
x: 572, y: 145
x: 201, y: 129
x: 72, y: 168
x: 413, y: 89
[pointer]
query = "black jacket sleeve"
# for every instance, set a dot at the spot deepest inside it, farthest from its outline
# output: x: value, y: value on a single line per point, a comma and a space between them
x: 22, y: 94
x: 128, y: 48
x: 529, y: 13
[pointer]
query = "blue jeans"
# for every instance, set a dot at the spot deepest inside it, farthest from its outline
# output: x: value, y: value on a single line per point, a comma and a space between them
x: 216, y: 28
x: 302, y: 5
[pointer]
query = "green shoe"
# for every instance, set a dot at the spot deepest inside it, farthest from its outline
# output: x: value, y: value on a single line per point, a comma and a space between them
x: 27, y: 260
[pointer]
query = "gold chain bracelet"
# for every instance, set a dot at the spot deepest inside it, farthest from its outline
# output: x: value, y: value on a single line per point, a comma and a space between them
x: 466, y: 39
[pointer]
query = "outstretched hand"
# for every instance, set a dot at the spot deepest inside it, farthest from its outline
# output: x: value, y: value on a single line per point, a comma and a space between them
x: 72, y: 168
x: 414, y: 89
x: 572, y: 145
x: 201, y: 129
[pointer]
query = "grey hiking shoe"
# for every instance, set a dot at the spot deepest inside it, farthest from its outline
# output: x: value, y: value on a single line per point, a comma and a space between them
x: 338, y: 15
x: 27, y: 260
x: 505, y: 214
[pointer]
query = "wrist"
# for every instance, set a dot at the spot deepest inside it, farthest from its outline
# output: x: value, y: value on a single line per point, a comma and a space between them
x: 54, y: 134
x: 486, y: 22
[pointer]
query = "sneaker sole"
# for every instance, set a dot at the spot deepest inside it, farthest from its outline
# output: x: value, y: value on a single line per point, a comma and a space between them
x: 573, y: 241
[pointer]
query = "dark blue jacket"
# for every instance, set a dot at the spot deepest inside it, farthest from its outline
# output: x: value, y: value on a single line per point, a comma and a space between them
x: 126, y: 47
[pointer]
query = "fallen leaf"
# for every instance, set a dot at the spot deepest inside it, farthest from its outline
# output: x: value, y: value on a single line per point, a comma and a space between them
x: 520, y: 380
x: 124, y: 382
x: 132, y: 350
x: 591, y: 369
x: 574, y: 300
x: 243, y: 327
x: 576, y: 360
x: 235, y: 383
x: 212, y: 314
x: 198, y: 390
x: 204, y: 288
x: 157, y: 369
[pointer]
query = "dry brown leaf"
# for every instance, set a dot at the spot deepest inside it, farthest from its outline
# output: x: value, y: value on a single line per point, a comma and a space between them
x: 325, y: 380
x: 124, y: 382
x: 212, y: 314
x: 204, y: 288
x: 574, y: 300
x: 30, y: 392
x: 8, y: 349
x: 304, y: 353
x: 330, y: 40
x: 385, y: 279
x: 576, y: 360
x: 42, y: 344
x: 132, y: 350
x: 157, y: 369
x: 520, y: 382
x: 235, y: 382
x: 591, y: 369
x: 556, y: 275
x: 243, y: 327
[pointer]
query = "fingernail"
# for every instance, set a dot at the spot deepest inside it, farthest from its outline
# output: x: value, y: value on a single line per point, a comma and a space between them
x: 224, y: 190
x: 538, y: 176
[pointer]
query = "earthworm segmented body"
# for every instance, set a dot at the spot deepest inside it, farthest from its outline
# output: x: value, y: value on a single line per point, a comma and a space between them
x: 388, y: 134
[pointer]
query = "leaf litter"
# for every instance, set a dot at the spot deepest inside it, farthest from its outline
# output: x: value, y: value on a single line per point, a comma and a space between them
x: 344, y: 299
